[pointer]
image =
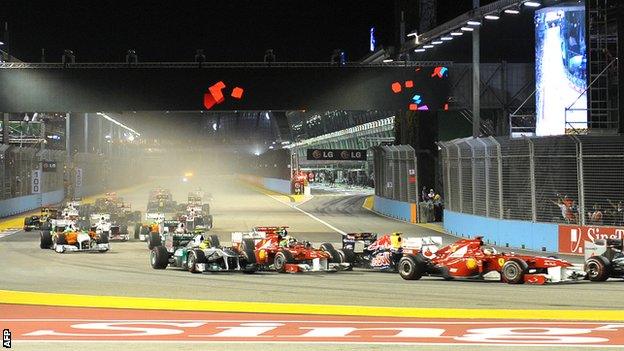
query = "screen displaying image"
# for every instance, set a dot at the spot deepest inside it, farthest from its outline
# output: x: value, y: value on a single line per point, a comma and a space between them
x: 560, y: 70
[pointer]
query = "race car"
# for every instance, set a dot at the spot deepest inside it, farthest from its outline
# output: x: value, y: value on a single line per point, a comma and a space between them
x: 69, y: 239
x: 275, y: 250
x: 604, y: 259
x: 158, y: 232
x: 41, y: 221
x: 366, y: 250
x: 101, y: 223
x: 470, y: 258
x: 198, y: 253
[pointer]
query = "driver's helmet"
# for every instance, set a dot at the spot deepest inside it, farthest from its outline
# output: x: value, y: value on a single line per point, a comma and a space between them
x: 287, y: 241
x: 488, y: 250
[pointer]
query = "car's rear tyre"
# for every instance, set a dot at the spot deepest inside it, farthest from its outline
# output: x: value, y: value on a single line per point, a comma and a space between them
x: 348, y: 256
x: 153, y: 240
x: 194, y: 257
x: 61, y: 239
x: 598, y: 268
x: 46, y: 226
x: 159, y: 257
x: 281, y: 259
x: 137, y: 231
x: 45, y: 239
x: 104, y: 239
x: 334, y: 255
x: 248, y: 249
x: 208, y: 222
x: 410, y: 268
x: 513, y: 271
x: 214, y: 241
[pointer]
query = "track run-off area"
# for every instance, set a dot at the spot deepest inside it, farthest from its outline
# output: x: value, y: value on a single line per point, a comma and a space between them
x: 116, y: 297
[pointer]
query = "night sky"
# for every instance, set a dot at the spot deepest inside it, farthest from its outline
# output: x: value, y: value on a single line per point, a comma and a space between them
x: 227, y: 30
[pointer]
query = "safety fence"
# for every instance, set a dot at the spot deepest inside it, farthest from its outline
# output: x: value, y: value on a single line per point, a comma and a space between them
x: 395, y: 172
x: 559, y: 179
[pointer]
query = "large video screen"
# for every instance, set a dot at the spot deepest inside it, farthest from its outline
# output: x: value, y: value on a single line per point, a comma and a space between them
x: 560, y: 70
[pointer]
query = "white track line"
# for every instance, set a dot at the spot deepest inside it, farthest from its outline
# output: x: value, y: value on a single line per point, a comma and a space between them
x: 308, y: 214
x: 9, y: 232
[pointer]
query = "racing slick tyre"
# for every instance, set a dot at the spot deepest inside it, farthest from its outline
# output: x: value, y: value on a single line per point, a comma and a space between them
x: 209, y: 222
x: 46, y: 239
x: 28, y: 221
x: 194, y: 257
x: 248, y: 248
x: 214, y: 241
x: 103, y: 238
x: 348, y: 256
x: 598, y: 268
x: 513, y: 271
x: 159, y: 257
x: 334, y: 256
x: 153, y: 240
x: 206, y: 208
x: 46, y: 226
x: 61, y: 239
x: 137, y: 231
x: 281, y: 259
x: 410, y: 268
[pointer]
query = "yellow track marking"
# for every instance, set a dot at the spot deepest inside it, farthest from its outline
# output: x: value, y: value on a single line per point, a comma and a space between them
x: 71, y: 300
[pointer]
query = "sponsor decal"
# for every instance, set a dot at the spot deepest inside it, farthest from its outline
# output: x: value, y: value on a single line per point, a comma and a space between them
x: 333, y: 330
x: 335, y: 155
x: 572, y: 238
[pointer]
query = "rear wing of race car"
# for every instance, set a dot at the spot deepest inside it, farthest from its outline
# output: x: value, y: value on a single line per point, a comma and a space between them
x: 269, y: 229
x: 430, y: 244
x: 156, y: 216
x: 238, y: 237
x: 99, y: 216
x: 599, y: 247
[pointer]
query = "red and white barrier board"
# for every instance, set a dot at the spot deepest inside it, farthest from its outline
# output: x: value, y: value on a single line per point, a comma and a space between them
x: 573, y: 237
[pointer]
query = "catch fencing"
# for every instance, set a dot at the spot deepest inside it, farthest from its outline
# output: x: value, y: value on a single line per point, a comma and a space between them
x: 559, y: 179
x: 395, y: 172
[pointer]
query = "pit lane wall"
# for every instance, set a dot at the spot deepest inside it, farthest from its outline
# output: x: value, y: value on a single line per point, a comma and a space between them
x: 504, y: 232
x: 16, y: 205
x: 402, y: 211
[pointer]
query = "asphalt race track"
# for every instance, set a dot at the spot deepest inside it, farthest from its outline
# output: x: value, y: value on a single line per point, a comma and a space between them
x: 125, y: 270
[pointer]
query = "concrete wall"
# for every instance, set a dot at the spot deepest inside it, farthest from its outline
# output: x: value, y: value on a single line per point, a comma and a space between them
x: 278, y: 185
x: 402, y: 211
x: 503, y: 232
x: 10, y: 207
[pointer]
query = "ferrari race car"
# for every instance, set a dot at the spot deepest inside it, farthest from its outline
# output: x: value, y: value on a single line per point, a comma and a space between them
x: 197, y: 253
x: 470, y: 258
x: 366, y: 250
x: 69, y: 239
x: 275, y: 250
x: 604, y: 259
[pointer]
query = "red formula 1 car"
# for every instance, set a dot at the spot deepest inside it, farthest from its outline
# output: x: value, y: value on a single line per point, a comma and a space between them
x: 470, y: 258
x: 276, y: 250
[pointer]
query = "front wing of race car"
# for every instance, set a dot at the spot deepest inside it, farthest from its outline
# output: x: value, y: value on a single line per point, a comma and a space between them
x: 318, y: 265
x: 119, y: 237
x: 72, y: 248
x: 556, y: 275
